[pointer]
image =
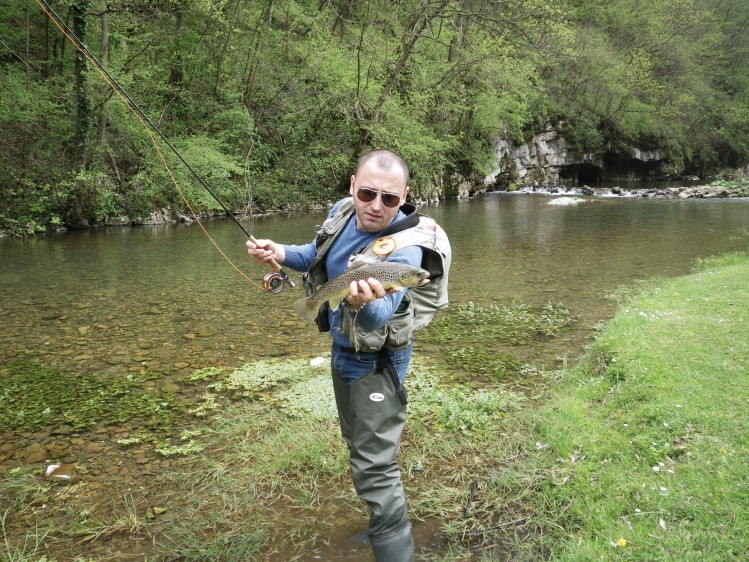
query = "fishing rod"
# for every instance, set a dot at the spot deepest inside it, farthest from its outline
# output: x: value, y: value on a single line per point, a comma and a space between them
x: 273, y: 282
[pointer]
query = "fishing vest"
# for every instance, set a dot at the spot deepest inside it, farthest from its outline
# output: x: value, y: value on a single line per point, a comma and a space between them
x: 419, y: 305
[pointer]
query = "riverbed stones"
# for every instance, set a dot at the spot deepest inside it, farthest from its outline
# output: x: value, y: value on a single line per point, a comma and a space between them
x: 697, y: 192
x: 170, y: 387
x: 57, y: 450
x: 62, y: 430
x: 94, y: 448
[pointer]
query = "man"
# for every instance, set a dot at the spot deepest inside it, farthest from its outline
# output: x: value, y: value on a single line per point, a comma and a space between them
x: 367, y: 382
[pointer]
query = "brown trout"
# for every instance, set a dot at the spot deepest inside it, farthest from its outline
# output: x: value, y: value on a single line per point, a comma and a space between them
x: 392, y: 275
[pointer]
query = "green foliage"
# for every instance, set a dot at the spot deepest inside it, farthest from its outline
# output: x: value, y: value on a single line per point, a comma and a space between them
x: 635, y: 74
x: 273, y: 103
x: 34, y: 127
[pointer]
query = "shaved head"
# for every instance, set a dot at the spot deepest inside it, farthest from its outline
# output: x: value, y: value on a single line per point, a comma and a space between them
x: 384, y: 160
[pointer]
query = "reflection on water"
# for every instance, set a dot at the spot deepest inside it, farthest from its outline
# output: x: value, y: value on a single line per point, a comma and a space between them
x: 120, y: 300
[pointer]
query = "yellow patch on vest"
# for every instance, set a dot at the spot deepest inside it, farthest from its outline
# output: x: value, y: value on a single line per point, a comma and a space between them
x: 383, y: 246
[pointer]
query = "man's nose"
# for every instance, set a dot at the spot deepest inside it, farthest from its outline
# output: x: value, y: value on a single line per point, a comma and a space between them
x: 377, y: 203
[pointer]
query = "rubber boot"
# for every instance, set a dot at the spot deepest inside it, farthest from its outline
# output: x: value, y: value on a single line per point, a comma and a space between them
x: 360, y: 538
x: 396, y: 548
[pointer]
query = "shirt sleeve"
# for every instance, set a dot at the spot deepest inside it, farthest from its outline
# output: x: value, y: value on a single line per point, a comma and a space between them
x: 300, y: 258
x: 378, y: 313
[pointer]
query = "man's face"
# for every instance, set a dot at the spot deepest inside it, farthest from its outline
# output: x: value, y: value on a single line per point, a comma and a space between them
x: 376, y: 215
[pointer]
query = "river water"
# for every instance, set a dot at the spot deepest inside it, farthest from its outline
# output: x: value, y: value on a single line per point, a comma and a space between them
x: 118, y: 301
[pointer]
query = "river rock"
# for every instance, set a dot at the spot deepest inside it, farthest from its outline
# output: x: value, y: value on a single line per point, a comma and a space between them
x: 548, y: 158
x: 34, y: 453
x: 94, y: 448
x: 62, y: 473
x: 57, y: 450
x: 62, y: 430
x: 170, y: 387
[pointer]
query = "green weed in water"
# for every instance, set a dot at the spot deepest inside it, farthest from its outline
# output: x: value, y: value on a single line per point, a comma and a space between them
x: 256, y: 378
x: 33, y: 397
x: 481, y: 340
x: 515, y: 324
x: 206, y: 373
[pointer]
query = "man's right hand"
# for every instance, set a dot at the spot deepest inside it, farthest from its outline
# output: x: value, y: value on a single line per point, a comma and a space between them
x: 263, y: 251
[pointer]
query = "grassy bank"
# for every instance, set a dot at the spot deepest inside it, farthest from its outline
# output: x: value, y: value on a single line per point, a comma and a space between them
x: 644, y: 443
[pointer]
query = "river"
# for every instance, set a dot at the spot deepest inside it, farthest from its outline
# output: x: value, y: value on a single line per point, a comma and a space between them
x: 117, y: 299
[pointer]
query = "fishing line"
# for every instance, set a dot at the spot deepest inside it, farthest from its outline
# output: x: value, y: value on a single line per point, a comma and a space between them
x: 272, y: 282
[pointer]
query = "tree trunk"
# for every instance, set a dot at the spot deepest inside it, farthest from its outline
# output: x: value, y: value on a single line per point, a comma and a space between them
x: 78, y: 15
x: 177, y: 72
x: 257, y: 48
x: 411, y: 33
x: 103, y: 58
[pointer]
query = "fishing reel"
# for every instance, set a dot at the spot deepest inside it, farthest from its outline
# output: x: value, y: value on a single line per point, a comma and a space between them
x: 276, y: 281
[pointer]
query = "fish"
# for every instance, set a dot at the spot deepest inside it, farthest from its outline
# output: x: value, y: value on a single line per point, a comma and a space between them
x: 392, y: 275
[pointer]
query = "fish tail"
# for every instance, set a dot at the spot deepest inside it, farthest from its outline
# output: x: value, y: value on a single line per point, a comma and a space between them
x: 307, y: 308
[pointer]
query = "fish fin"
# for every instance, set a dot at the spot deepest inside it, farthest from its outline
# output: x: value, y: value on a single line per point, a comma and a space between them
x: 334, y: 304
x: 357, y: 264
x: 307, y: 308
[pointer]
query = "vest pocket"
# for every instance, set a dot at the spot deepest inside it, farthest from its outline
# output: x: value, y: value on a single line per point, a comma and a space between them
x: 400, y: 328
x: 396, y: 334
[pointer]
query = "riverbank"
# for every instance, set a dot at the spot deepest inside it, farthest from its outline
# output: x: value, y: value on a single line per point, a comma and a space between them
x: 170, y: 215
x: 642, y: 447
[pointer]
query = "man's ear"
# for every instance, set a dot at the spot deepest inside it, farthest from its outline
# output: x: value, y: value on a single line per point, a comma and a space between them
x: 351, y: 185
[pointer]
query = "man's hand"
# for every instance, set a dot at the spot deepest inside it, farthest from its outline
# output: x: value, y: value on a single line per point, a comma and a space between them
x: 365, y: 291
x: 263, y: 251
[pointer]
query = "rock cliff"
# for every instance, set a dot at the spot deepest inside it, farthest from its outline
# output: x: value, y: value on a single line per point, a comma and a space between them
x: 548, y: 159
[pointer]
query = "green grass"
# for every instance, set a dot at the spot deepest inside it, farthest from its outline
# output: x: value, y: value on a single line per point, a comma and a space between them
x: 276, y: 465
x: 648, y: 437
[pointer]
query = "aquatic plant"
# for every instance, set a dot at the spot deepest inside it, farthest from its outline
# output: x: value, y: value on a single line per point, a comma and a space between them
x: 33, y: 397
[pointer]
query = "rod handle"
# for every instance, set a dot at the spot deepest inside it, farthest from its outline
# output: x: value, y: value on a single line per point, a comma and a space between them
x: 273, y: 263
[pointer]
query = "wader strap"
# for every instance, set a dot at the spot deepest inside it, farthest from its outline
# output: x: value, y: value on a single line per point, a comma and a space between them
x: 384, y: 363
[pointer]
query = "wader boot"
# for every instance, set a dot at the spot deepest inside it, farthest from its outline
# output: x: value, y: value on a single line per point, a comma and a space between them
x: 398, y: 547
x: 372, y: 418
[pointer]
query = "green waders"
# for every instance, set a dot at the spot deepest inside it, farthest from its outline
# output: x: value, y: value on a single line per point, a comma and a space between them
x: 372, y: 419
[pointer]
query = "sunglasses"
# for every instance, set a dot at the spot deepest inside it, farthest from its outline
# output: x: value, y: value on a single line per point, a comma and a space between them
x: 366, y: 195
